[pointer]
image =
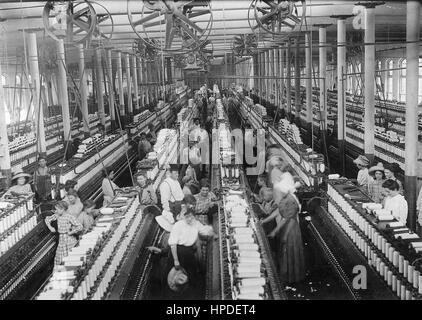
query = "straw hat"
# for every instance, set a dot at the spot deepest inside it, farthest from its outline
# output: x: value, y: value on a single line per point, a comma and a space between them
x: 378, y: 167
x: 21, y: 174
x: 165, y: 220
x: 177, y: 279
x: 362, y: 160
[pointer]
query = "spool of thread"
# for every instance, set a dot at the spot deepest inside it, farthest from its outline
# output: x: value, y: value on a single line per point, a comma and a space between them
x: 390, y: 254
x: 408, y: 295
x: 382, y: 245
x: 389, y: 278
x: 410, y: 270
x: 387, y: 250
x: 416, y: 275
x: 386, y: 269
x: 420, y: 284
x: 398, y: 285
x: 405, y: 268
x: 394, y: 283
x: 403, y: 292
x: 401, y: 263
x: 395, y: 258
x: 381, y: 268
x: 378, y: 264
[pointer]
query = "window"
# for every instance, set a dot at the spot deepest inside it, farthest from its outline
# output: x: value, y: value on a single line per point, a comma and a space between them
x: 402, y: 81
x: 3, y: 80
x: 389, y: 84
x: 358, y: 78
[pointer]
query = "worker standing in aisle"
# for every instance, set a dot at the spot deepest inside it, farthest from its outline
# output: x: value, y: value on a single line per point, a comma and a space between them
x: 67, y: 227
x: 171, y: 192
x: 42, y: 180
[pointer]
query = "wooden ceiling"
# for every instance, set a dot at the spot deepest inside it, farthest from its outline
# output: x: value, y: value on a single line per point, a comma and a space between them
x: 230, y: 18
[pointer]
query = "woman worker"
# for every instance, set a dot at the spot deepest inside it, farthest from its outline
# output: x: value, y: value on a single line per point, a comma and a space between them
x: 375, y: 189
x: 391, y: 170
x: 182, y: 242
x: 108, y: 186
x: 147, y: 195
x: 394, y: 201
x: 21, y: 186
x: 74, y: 203
x: 287, y: 233
x: 67, y: 227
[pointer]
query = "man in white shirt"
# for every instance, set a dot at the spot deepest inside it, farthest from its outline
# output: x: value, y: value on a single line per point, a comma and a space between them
x: 171, y: 191
x: 395, y: 202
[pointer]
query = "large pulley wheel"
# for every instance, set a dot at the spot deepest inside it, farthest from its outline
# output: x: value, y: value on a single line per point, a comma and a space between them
x: 177, y: 26
x: 74, y: 22
x: 277, y: 17
x: 104, y: 26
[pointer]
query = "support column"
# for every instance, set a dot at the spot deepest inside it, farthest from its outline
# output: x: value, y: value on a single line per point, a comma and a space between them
x: 83, y: 90
x: 288, y: 80
x: 270, y: 74
x: 298, y: 105
x: 252, y: 73
x: 323, y: 74
x: 129, y: 88
x: 62, y: 86
x: 396, y: 77
x: 135, y: 84
x: 35, y: 76
x: 369, y: 118
x: 276, y: 69
x: 121, y: 95
x: 111, y: 102
x: 308, y: 81
x: 5, y: 165
x: 100, y: 85
x: 267, y: 75
x: 412, y: 84
x: 140, y: 81
x: 261, y: 74
x: 341, y: 87
x: 169, y: 79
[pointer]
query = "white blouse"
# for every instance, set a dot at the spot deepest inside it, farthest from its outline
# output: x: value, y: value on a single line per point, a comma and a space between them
x: 184, y: 234
x: 398, y: 207
x: 108, y: 187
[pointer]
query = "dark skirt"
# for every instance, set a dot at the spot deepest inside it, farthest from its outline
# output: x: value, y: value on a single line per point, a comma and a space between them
x: 291, y: 256
x: 188, y: 261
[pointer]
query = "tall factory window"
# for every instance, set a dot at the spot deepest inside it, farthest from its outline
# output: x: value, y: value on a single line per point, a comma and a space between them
x: 379, y: 80
x: 350, y: 78
x: 402, y: 81
x: 358, y: 79
x: 389, y: 84
x: 18, y: 80
x: 3, y: 80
